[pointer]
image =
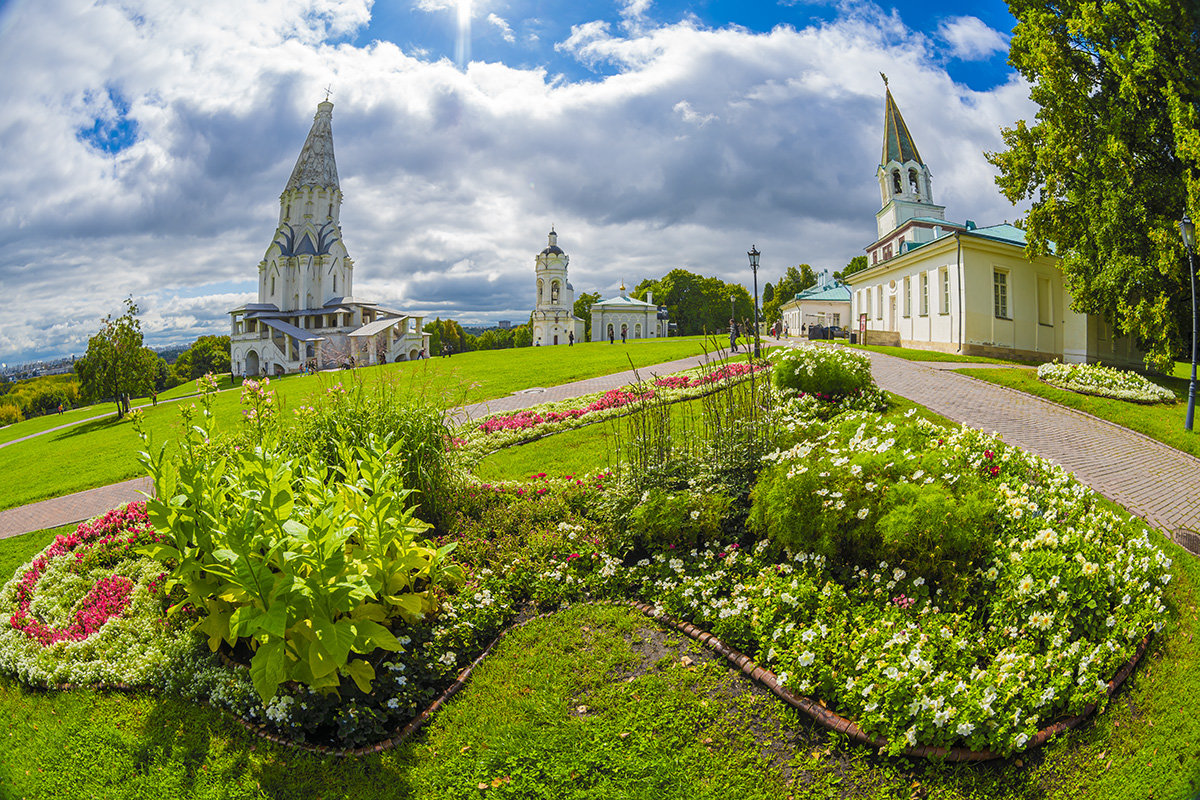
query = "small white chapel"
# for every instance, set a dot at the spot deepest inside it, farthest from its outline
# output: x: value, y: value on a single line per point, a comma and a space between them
x: 959, y: 288
x: 307, y: 316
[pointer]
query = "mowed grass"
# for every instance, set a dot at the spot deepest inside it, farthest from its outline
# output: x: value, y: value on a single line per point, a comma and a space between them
x: 651, y: 727
x: 1159, y: 421
x: 104, y: 451
x: 916, y: 354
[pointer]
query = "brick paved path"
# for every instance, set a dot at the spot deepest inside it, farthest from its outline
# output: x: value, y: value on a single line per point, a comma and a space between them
x: 82, y: 505
x: 1154, y: 481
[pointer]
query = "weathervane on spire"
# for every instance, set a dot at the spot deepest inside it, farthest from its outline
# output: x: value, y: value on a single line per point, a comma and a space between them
x: 885, y: 83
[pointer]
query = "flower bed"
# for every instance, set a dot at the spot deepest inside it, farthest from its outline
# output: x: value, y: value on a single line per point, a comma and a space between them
x: 497, y: 431
x: 89, y: 608
x: 1096, y: 379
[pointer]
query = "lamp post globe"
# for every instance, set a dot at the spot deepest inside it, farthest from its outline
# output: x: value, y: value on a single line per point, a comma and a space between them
x: 1187, y: 230
x: 754, y: 254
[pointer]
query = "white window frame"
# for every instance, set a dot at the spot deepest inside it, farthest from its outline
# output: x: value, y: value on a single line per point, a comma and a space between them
x: 924, y: 294
x: 944, y: 277
x: 908, y: 295
x: 1001, y: 306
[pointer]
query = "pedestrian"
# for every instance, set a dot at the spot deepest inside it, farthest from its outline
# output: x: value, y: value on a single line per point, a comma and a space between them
x: 611, y: 337
x: 733, y: 336
x: 153, y: 399
x: 623, y: 329
x: 571, y: 339
x: 60, y: 409
x: 803, y: 328
x: 421, y: 354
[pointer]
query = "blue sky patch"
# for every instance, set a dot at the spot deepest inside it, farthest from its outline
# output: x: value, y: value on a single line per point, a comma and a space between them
x: 112, y: 131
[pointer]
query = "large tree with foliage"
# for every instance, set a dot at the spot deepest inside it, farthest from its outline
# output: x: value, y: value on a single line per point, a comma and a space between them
x: 583, y: 310
x: 857, y: 264
x: 794, y: 281
x: 1113, y: 157
x: 207, y: 354
x: 116, y: 366
x: 697, y: 304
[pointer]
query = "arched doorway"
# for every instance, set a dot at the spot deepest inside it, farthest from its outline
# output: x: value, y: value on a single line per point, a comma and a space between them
x: 624, y: 331
x: 556, y: 338
x: 637, y: 331
x: 610, y: 331
x: 251, y: 364
x: 412, y: 355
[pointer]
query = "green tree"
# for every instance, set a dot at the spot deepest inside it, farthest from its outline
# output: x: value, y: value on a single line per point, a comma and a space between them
x: 434, y: 329
x: 116, y: 366
x: 1113, y: 158
x: 794, y: 281
x: 768, y: 293
x: 207, y: 354
x: 857, y: 264
x: 523, y: 336
x: 697, y: 304
x: 583, y: 310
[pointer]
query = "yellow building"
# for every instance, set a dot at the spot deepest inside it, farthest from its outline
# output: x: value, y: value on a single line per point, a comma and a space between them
x: 959, y: 288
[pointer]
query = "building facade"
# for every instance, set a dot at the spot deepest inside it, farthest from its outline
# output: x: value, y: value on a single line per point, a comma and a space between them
x: 960, y: 288
x: 623, y: 318
x: 306, y: 316
x: 554, y: 320
x: 821, y: 305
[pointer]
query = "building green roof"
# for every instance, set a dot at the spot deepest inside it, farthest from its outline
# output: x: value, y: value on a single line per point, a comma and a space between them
x: 897, y: 141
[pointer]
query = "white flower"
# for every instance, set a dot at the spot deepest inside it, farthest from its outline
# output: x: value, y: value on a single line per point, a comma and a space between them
x: 863, y: 513
x: 965, y: 729
x: 805, y: 658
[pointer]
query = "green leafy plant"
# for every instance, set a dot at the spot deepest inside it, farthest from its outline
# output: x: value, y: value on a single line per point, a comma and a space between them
x: 310, y: 570
x: 828, y: 372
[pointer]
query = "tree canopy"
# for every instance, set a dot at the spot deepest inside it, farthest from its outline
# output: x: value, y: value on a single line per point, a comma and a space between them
x: 583, y: 310
x: 697, y: 304
x: 857, y: 264
x: 207, y: 354
x: 1113, y: 157
x: 794, y: 281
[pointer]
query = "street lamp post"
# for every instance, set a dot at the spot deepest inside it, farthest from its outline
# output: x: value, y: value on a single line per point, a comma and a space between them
x: 754, y: 254
x: 732, y: 313
x: 1188, y: 231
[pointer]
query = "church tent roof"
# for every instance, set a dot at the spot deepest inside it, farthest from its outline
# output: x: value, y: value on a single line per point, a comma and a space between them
x: 898, y: 144
x: 315, y: 166
x: 298, y: 334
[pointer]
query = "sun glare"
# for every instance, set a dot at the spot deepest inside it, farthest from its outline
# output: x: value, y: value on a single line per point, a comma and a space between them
x: 462, y: 48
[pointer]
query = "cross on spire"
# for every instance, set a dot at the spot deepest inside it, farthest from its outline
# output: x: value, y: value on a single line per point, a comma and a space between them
x: 329, y: 90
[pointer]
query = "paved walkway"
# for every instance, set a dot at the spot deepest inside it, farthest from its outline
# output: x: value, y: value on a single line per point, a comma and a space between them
x: 83, y: 505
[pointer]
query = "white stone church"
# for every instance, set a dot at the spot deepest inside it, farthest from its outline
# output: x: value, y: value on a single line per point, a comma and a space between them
x: 959, y: 288
x: 306, y: 315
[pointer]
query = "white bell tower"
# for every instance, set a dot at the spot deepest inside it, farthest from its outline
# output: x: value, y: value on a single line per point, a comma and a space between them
x: 905, y: 186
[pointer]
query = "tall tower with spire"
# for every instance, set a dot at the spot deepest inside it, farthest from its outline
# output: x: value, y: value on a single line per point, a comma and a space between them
x: 306, y: 264
x: 905, y: 188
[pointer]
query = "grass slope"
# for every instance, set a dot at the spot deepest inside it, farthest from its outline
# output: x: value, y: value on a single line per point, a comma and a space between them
x: 1161, y: 422
x: 104, y: 451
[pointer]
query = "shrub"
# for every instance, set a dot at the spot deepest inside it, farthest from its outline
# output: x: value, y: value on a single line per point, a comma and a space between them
x: 866, y: 492
x: 663, y: 519
x: 9, y: 414
x: 47, y: 401
x: 346, y: 419
x: 828, y: 372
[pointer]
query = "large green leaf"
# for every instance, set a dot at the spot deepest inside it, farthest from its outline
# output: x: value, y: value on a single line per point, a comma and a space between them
x: 361, y: 672
x: 268, y: 668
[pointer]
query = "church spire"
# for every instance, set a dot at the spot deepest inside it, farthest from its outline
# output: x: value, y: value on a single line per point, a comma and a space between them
x: 898, y: 144
x: 315, y: 166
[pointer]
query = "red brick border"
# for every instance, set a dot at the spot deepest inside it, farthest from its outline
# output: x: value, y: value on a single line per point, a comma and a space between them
x: 836, y: 722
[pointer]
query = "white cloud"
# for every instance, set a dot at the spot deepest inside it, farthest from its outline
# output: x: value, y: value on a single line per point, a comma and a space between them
x: 502, y: 25
x: 970, y: 38
x: 697, y: 143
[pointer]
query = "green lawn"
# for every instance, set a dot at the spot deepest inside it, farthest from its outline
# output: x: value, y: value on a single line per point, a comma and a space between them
x: 1161, y: 422
x: 915, y: 354
x: 104, y: 451
x: 694, y: 731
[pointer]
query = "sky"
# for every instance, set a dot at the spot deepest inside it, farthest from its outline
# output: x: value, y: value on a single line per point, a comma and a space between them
x: 144, y: 144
